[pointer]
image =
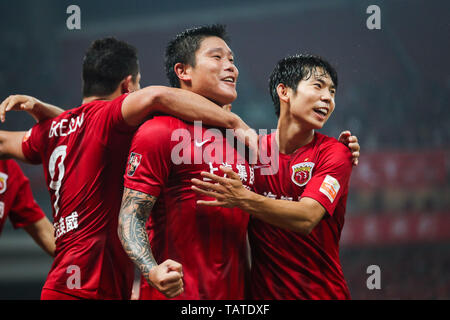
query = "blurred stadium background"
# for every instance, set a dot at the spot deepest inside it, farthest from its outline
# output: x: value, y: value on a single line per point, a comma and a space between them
x: 393, y: 94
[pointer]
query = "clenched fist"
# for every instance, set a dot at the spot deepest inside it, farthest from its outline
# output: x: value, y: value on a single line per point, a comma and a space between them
x: 167, y: 278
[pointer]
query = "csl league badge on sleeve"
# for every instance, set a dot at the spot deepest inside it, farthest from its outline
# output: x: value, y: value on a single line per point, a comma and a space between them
x: 133, y: 163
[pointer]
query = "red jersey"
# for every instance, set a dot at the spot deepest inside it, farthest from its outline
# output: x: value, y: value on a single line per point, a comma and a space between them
x: 209, y: 242
x: 16, y: 199
x: 84, y: 153
x: 286, y: 264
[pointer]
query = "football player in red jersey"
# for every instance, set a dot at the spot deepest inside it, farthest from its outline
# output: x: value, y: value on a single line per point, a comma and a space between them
x: 16, y: 197
x: 298, y: 213
x: 210, y: 243
x: 84, y: 151
x: 17, y: 203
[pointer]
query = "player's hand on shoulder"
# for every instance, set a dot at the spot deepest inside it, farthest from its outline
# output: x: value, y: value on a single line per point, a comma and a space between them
x: 167, y: 278
x: 352, y: 143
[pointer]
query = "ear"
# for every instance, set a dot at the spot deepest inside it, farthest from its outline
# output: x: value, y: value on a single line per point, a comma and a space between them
x: 183, y: 72
x: 283, y: 93
x: 125, y: 84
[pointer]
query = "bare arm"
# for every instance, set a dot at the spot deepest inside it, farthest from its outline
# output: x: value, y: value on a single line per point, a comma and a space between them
x: 180, y: 103
x: 11, y: 145
x: 42, y: 232
x: 134, y: 212
x: 299, y: 216
x: 37, y: 109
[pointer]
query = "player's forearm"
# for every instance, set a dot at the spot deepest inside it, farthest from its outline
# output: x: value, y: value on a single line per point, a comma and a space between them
x: 135, y: 210
x: 11, y: 145
x: 43, y: 111
x: 291, y: 215
x: 180, y: 103
x: 191, y: 107
x: 37, y: 109
x: 42, y: 233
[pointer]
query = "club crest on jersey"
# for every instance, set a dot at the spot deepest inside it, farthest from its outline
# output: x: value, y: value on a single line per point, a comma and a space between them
x: 3, y: 178
x: 301, y: 173
x: 133, y: 163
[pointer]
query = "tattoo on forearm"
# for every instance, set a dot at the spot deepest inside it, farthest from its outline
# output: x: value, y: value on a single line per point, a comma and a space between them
x: 135, y: 210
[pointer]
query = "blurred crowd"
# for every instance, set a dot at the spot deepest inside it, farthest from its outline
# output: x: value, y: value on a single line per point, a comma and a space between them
x: 407, y: 272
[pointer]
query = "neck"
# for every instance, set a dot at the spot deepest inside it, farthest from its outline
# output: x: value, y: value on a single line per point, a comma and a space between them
x: 111, y: 96
x: 291, y: 135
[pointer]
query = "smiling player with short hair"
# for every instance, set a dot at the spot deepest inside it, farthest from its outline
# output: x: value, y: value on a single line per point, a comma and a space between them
x: 298, y: 213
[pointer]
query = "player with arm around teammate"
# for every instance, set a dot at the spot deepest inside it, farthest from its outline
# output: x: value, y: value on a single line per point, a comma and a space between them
x: 210, y: 243
x: 83, y: 152
x: 298, y: 210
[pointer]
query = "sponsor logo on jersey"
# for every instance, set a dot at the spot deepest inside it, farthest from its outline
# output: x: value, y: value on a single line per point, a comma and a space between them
x: 3, y: 179
x: 199, y: 144
x: 330, y: 187
x: 133, y: 163
x: 301, y: 173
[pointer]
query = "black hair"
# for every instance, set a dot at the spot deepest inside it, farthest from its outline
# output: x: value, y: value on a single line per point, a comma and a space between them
x: 107, y: 62
x: 183, y: 47
x: 292, y: 69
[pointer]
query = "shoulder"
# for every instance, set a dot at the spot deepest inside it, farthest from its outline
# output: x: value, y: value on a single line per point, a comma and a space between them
x: 12, y: 169
x: 108, y: 107
x: 91, y: 107
x: 160, y: 131
x: 12, y: 165
x: 331, y: 145
x: 331, y: 150
x: 162, y: 124
x: 67, y: 120
x: 71, y: 113
x: 9, y: 166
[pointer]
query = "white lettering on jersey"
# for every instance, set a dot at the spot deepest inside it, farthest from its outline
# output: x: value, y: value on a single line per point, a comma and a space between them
x: 63, y: 127
x: 276, y: 196
x: 66, y: 224
x: 270, y: 195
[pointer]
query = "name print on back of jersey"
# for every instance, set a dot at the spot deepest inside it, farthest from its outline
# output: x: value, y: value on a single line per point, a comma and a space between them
x: 63, y: 127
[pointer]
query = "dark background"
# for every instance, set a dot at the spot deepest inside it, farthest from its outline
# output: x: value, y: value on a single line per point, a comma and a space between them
x: 393, y: 94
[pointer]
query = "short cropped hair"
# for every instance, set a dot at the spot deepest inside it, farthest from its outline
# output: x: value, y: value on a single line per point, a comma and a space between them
x: 292, y: 69
x: 107, y: 62
x: 182, y: 48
